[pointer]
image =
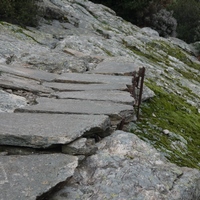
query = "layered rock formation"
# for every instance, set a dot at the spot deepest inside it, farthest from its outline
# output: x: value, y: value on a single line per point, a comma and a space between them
x: 63, y: 92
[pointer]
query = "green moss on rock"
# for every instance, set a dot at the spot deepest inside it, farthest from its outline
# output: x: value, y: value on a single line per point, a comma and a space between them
x: 167, y: 111
x: 173, y: 51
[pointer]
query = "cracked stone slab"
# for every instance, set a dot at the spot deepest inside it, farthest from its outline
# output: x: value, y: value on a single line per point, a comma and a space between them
x: 99, y: 95
x: 93, y: 78
x: 28, y: 73
x: 18, y: 83
x: 43, y: 130
x: 28, y: 177
x: 74, y: 106
x: 83, y: 87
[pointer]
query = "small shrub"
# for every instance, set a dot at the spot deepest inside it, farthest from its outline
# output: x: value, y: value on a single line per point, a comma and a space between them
x: 164, y: 23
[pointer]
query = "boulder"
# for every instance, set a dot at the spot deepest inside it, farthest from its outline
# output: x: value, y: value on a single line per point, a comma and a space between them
x: 125, y: 167
x: 149, y: 31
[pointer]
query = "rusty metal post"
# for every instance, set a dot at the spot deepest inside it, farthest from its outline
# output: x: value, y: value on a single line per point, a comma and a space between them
x: 137, y: 89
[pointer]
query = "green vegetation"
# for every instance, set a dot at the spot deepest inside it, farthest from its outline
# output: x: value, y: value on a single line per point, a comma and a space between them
x: 21, y: 12
x: 177, y: 18
x: 144, y: 52
x: 135, y: 11
x: 159, y: 51
x: 22, y: 31
x: 189, y: 75
x: 167, y: 111
x: 173, y: 51
x: 187, y: 14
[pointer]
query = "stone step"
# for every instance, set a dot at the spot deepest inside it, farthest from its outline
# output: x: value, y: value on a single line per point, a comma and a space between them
x: 92, y: 78
x: 123, y: 97
x: 28, y: 73
x: 44, y: 130
x: 116, y: 67
x: 83, y: 87
x: 18, y: 83
x: 116, y: 111
x: 28, y: 177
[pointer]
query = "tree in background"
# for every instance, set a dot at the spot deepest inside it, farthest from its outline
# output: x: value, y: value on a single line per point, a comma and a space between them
x: 164, y: 23
x: 160, y: 19
x: 165, y: 16
x: 21, y: 12
x: 135, y: 11
x: 187, y: 14
x: 143, y: 13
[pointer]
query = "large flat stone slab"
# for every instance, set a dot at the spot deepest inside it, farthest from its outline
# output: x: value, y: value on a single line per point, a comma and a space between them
x: 93, y: 78
x: 28, y: 177
x: 28, y: 73
x: 115, y: 67
x: 43, y: 130
x: 18, y: 83
x: 99, y: 95
x: 83, y: 87
x: 74, y: 106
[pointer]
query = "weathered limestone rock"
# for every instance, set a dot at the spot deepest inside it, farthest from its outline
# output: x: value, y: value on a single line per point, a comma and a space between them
x: 116, y: 111
x: 9, y: 102
x: 44, y: 130
x: 126, y: 167
x: 147, y: 93
x: 80, y: 146
x: 28, y: 177
x: 30, y: 47
x: 150, y: 31
x: 98, y: 95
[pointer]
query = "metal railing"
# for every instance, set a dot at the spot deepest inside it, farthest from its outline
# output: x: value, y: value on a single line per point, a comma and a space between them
x: 136, y: 89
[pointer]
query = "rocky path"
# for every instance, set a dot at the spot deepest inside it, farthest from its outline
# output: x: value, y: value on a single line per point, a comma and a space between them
x: 44, y: 135
x: 53, y: 143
